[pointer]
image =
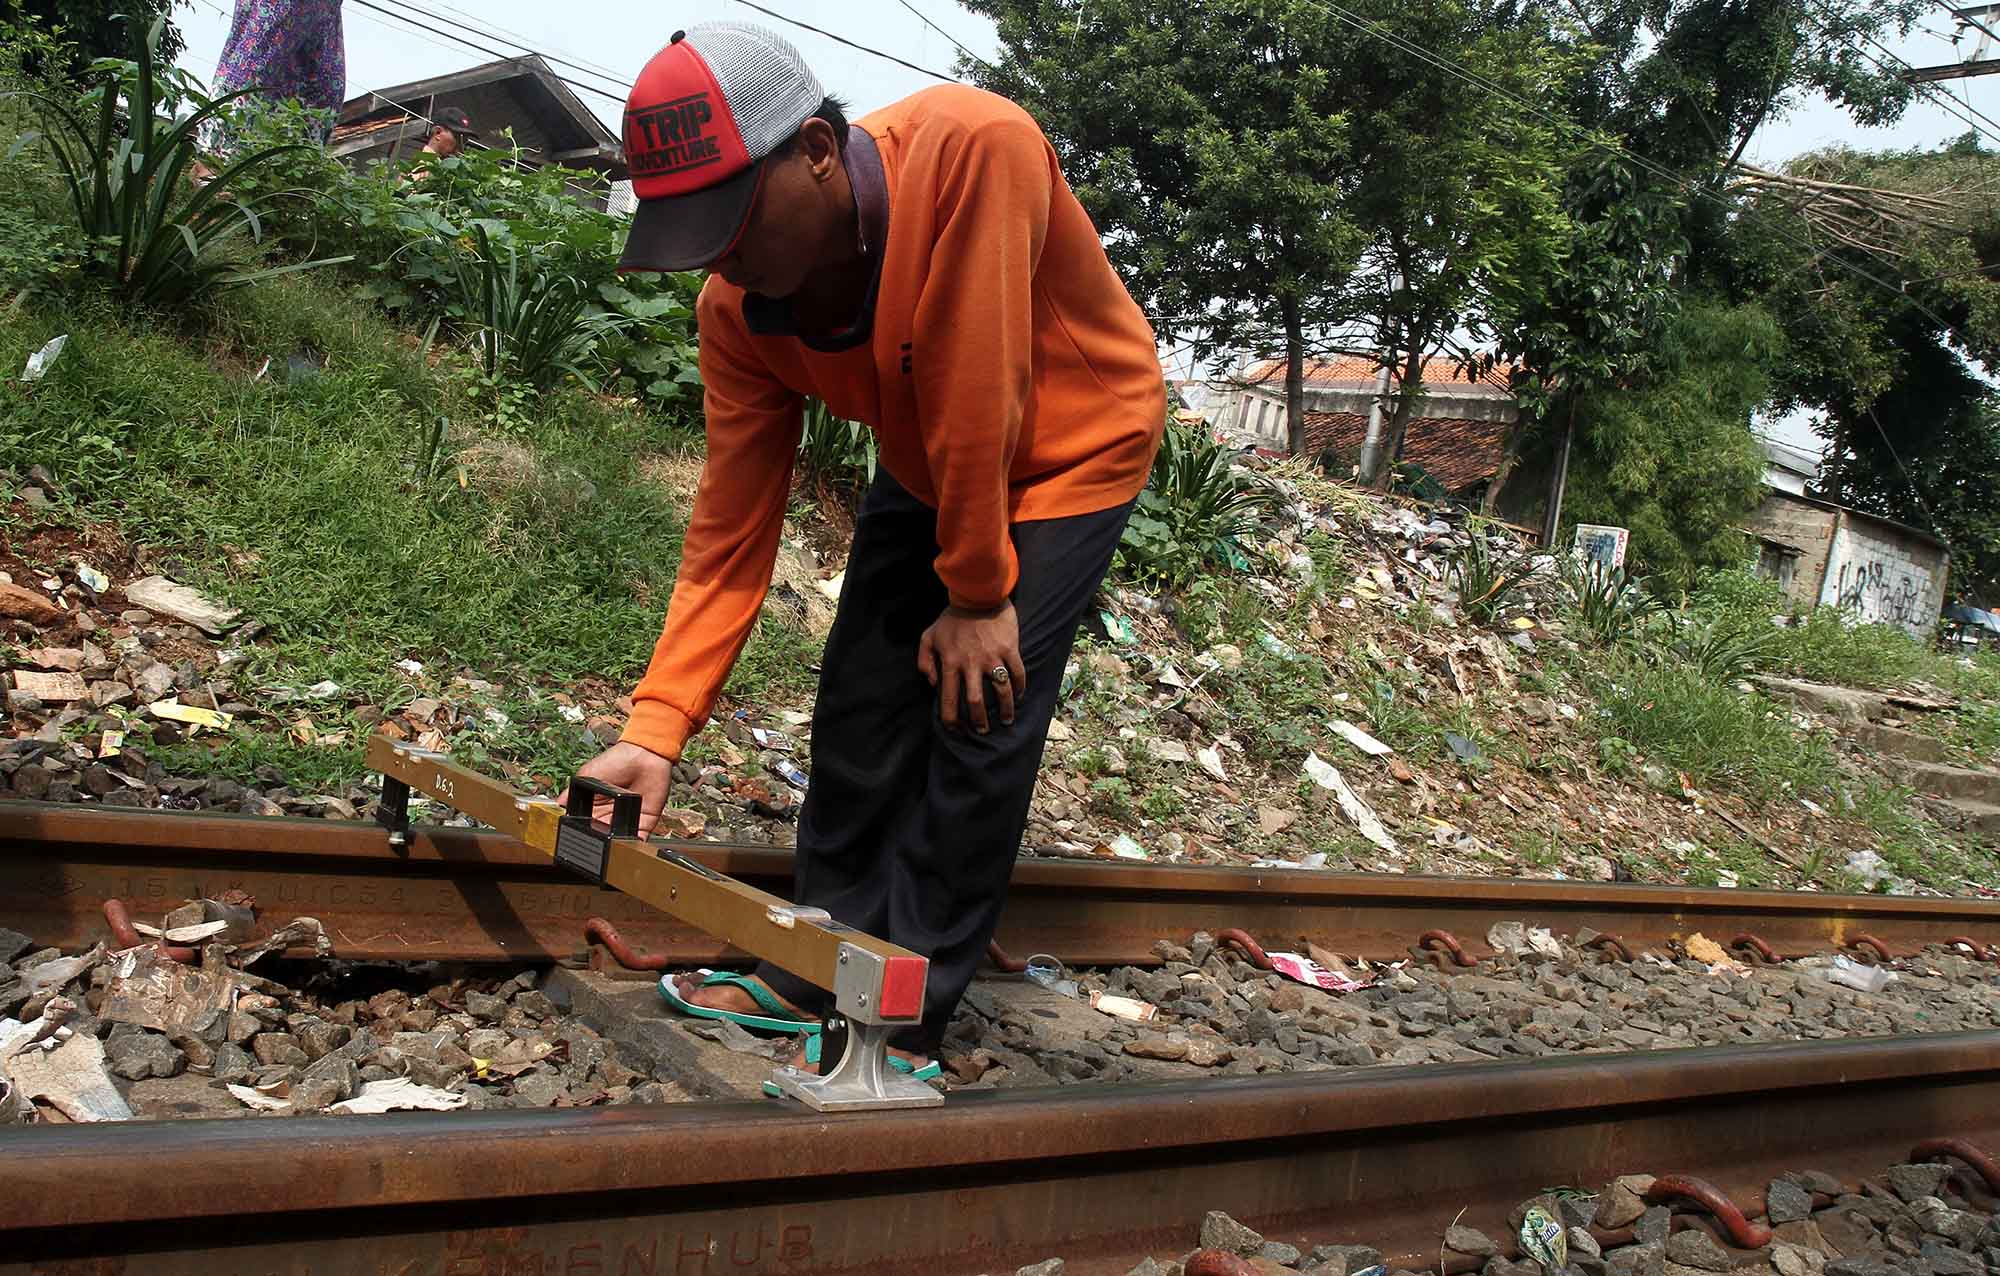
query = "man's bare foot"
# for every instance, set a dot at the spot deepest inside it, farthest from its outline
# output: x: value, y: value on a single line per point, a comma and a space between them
x: 728, y: 997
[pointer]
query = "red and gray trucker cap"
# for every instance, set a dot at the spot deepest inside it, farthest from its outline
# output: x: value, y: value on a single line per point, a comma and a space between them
x: 700, y: 120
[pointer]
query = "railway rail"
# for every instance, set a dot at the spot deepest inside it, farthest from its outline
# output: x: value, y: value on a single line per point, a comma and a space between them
x: 1098, y: 1175
x: 465, y: 895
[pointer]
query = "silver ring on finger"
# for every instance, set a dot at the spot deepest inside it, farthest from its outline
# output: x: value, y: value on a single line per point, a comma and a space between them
x: 999, y: 675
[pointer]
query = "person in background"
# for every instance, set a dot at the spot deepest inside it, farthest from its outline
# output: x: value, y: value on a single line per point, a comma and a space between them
x: 451, y: 129
x: 285, y: 49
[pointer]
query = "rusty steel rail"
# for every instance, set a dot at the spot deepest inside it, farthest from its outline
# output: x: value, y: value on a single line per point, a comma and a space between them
x: 1098, y: 1175
x: 458, y: 894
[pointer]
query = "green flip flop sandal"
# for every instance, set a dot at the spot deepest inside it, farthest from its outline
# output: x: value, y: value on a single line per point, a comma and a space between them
x: 896, y: 1062
x: 776, y: 1017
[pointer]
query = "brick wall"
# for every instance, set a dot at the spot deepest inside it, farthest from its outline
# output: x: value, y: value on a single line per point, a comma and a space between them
x: 1806, y: 528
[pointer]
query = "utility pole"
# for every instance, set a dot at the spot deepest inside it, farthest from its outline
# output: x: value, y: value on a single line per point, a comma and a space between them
x: 1981, y: 18
x: 1552, y: 518
x: 1371, y: 443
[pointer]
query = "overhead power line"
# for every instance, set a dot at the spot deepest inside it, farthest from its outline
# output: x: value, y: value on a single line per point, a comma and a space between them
x: 841, y: 39
x: 946, y: 34
x: 490, y: 52
x: 569, y: 59
x: 1370, y: 27
x: 1903, y: 70
x: 521, y: 44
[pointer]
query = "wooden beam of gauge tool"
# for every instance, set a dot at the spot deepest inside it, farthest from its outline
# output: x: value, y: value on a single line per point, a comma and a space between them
x: 872, y: 980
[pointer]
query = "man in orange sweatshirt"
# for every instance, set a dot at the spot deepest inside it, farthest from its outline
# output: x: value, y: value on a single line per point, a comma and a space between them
x: 927, y: 271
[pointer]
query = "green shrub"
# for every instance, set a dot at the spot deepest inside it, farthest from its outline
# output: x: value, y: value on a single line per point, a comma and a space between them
x: 1612, y: 607
x: 1487, y: 583
x: 280, y: 495
x: 1723, y: 649
x: 532, y: 322
x: 151, y: 234
x: 1194, y: 511
x: 834, y: 452
x: 413, y: 229
x: 1826, y: 647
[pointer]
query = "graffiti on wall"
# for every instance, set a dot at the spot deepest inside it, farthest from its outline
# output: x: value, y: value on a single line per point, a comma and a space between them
x: 1890, y: 594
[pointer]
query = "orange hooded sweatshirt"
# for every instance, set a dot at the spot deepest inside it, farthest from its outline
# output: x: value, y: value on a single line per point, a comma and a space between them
x: 1008, y: 377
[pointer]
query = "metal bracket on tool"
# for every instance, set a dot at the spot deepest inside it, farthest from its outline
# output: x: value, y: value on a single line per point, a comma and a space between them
x: 873, y: 995
x: 583, y: 845
x: 394, y: 813
x: 862, y: 1081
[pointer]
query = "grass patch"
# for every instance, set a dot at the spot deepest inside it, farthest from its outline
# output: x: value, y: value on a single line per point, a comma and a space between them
x: 293, y: 495
x: 1823, y: 647
x: 1677, y: 718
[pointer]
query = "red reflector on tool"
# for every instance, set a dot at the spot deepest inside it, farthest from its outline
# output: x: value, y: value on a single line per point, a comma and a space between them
x: 903, y: 987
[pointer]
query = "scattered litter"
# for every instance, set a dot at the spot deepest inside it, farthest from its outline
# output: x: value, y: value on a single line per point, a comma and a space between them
x: 1048, y: 972
x: 293, y: 934
x: 1125, y: 848
x: 164, y: 597
x: 1123, y: 1007
x: 59, y: 1069
x: 1464, y: 749
x: 411, y: 667
x: 1848, y: 973
x: 192, y: 715
x: 1211, y: 762
x: 1316, y: 860
x: 1327, y: 776
x: 149, y: 989
x: 1542, y: 1239
x: 59, y: 971
x: 773, y: 740
x: 1278, y: 646
x: 41, y: 360
x: 788, y: 771
x: 831, y: 586
x: 1312, y: 974
x: 1707, y: 951
x: 93, y: 580
x: 1518, y: 938
x: 1360, y: 739
x: 252, y: 1098
x: 182, y: 934
x: 1868, y: 866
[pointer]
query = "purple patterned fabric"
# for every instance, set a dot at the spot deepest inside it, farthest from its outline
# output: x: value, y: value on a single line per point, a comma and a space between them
x: 287, y: 48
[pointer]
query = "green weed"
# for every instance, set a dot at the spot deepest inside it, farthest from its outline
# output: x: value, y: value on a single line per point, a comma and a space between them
x: 1681, y: 719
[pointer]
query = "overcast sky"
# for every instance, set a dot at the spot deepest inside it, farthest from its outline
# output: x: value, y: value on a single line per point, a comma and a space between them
x: 616, y: 37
